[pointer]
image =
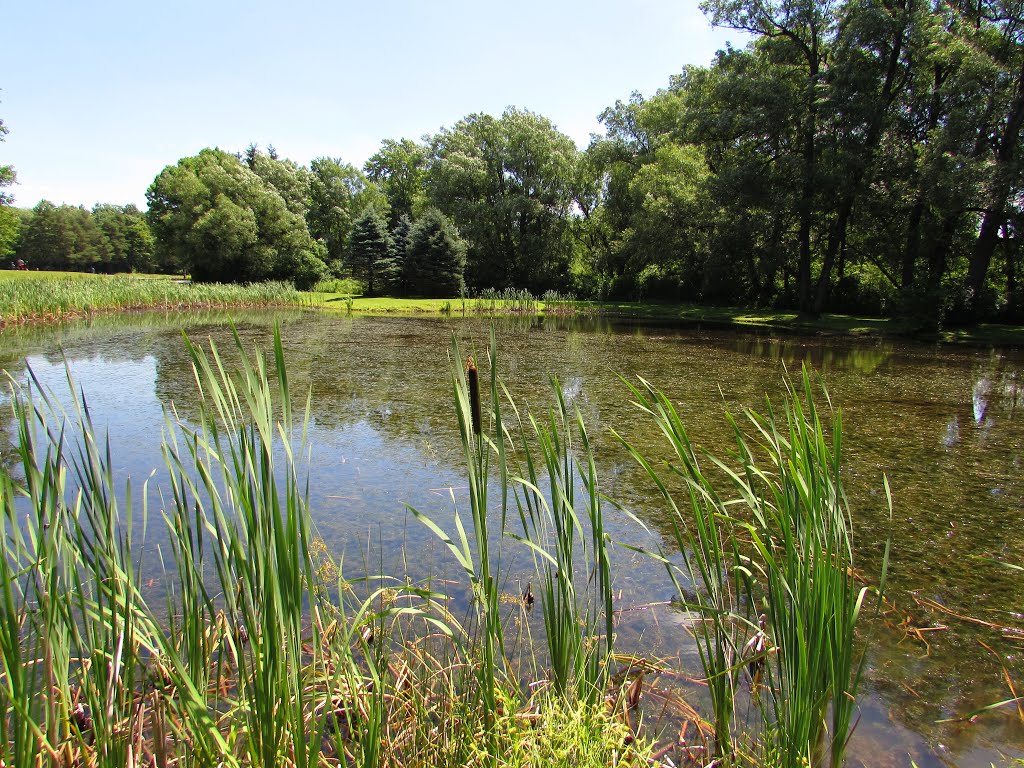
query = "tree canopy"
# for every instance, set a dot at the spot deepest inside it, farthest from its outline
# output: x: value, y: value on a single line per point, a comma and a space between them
x: 854, y: 156
x: 223, y: 222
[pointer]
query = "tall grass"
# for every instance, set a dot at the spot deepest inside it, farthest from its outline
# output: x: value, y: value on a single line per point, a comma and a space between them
x: 558, y: 303
x: 49, y: 298
x: 776, y: 539
x: 566, y: 535
x: 263, y: 653
x: 347, y: 286
x: 562, y: 530
x: 514, y: 300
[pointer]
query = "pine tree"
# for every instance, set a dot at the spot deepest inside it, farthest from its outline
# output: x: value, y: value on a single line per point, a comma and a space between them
x: 371, y: 249
x: 436, y: 258
x: 393, y: 271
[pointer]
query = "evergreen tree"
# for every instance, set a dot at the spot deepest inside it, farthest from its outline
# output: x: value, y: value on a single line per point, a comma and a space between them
x: 393, y: 272
x: 371, y: 248
x: 436, y: 257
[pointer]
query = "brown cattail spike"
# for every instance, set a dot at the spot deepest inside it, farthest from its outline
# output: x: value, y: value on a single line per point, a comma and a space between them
x: 473, y: 380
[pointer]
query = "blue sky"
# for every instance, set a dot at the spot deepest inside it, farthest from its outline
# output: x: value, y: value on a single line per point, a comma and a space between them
x: 100, y: 96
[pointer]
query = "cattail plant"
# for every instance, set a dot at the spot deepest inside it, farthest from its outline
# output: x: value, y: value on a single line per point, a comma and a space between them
x: 772, y: 534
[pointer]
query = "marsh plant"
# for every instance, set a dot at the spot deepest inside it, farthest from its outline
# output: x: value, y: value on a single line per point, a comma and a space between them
x: 541, y: 473
x: 36, y: 299
x: 259, y: 651
x: 767, y: 559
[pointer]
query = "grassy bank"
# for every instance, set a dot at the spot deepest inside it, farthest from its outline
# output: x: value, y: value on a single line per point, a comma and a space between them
x: 263, y: 652
x: 27, y: 297
x: 736, y: 318
x: 34, y: 297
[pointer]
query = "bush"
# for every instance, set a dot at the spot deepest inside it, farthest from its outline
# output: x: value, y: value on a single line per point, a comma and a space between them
x: 309, y: 271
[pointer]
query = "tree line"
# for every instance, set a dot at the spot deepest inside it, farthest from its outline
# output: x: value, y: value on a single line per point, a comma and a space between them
x: 855, y: 156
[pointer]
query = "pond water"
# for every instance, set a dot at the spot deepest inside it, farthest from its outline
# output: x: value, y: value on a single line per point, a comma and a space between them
x: 945, y: 425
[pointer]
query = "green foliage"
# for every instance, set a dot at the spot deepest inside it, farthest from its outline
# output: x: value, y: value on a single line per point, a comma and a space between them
x: 221, y: 221
x: 347, y: 286
x: 262, y: 653
x: 507, y: 184
x: 372, y: 252
x: 578, y: 612
x: 399, y: 169
x: 129, y: 239
x: 395, y: 274
x: 435, y: 258
x: 338, y: 195
x: 289, y: 180
x: 10, y: 230
x: 562, y: 733
x: 7, y: 174
x: 775, y: 540
x: 46, y: 298
x: 63, y: 237
x: 309, y: 269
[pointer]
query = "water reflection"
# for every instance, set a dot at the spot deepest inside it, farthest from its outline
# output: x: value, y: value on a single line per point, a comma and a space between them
x: 940, y: 423
x: 863, y: 357
x: 952, y: 436
x: 980, y: 399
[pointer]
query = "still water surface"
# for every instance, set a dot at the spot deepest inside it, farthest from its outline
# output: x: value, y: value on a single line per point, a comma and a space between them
x: 943, y: 424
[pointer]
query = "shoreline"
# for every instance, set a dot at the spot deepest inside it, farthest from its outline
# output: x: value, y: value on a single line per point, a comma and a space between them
x: 64, y: 296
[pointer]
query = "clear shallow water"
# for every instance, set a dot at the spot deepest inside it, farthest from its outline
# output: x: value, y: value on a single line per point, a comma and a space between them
x: 945, y: 425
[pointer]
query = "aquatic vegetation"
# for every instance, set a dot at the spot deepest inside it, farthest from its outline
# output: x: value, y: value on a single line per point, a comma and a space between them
x: 263, y: 653
x: 767, y: 556
x: 50, y: 298
x: 261, y: 650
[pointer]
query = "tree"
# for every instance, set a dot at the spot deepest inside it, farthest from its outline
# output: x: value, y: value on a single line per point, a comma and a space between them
x: 394, y: 272
x: 129, y: 240
x: 10, y: 230
x: 507, y: 184
x: 798, y: 35
x: 399, y: 169
x: 223, y: 222
x: 7, y: 175
x: 371, y: 249
x: 1000, y: 27
x: 64, y: 237
x: 338, y: 195
x: 290, y: 180
x: 436, y: 258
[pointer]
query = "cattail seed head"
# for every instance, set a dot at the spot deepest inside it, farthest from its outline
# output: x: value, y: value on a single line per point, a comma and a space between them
x: 473, y: 380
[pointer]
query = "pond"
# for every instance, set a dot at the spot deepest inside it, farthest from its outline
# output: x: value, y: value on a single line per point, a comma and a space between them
x: 944, y: 424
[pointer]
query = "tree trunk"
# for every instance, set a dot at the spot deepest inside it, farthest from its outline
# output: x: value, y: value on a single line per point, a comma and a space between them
x: 837, y: 235
x: 995, y: 209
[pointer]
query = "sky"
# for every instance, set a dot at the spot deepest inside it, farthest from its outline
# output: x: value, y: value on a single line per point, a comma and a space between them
x: 100, y: 96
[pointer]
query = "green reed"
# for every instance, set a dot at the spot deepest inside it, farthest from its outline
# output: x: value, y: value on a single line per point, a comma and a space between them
x: 514, y: 300
x: 558, y: 303
x: 566, y: 536
x: 775, y: 539
x: 481, y: 562
x: 46, y: 298
x: 553, y: 478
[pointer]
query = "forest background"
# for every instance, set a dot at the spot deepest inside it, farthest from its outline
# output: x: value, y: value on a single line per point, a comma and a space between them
x: 854, y: 157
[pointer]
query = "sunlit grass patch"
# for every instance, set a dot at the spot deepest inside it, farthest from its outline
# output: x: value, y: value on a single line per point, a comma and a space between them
x: 43, y: 297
